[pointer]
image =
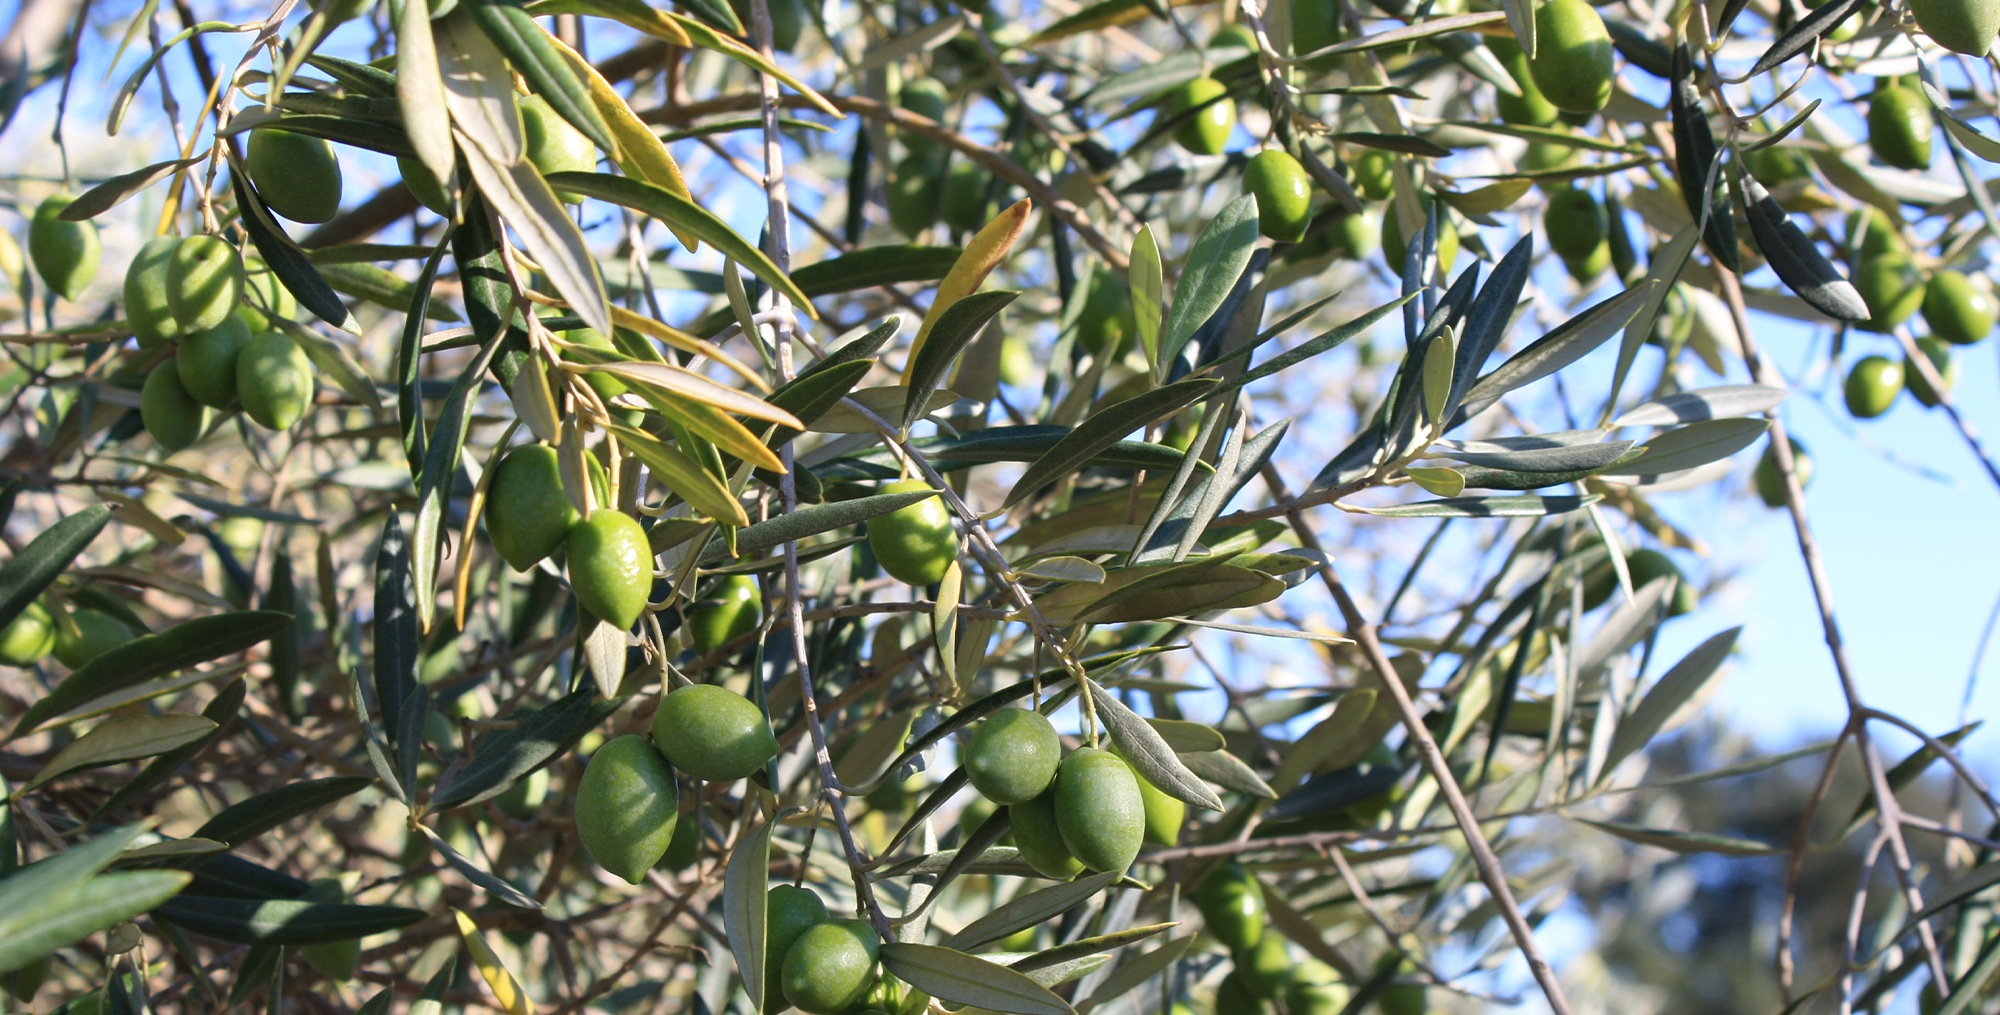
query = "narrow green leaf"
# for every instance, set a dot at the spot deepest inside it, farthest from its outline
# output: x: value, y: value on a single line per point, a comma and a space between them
x: 101, y: 902
x: 955, y: 976
x: 1029, y: 910
x: 1104, y: 428
x: 1210, y: 272
x: 245, y: 820
x: 1149, y: 294
x: 221, y: 710
x: 151, y: 656
x: 113, y: 192
x: 1685, y: 842
x: 875, y: 266
x: 54, y: 549
x: 507, y: 756
x: 409, y: 361
x: 745, y: 911
x: 532, y: 53
x: 1694, y: 445
x: 1484, y: 507
x: 1676, y: 688
x: 420, y: 93
x: 288, y: 263
x: 282, y: 921
x: 124, y: 739
x: 954, y: 329
x: 478, y: 875
x: 681, y: 474
x: 810, y: 521
x: 1149, y: 753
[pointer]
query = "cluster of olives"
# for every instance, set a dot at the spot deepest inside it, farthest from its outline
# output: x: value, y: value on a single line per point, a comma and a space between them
x: 528, y: 516
x: 927, y: 185
x: 1957, y: 311
x: 1232, y: 906
x: 35, y: 634
x: 818, y: 964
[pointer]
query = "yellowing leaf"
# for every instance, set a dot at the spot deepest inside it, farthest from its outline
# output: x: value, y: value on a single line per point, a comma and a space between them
x: 506, y: 990
x: 479, y: 90
x: 525, y: 201
x: 982, y: 254
x: 687, y: 383
x: 640, y: 151
x: 709, y: 38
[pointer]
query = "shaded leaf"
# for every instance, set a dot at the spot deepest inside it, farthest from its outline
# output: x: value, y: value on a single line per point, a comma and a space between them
x: 151, y: 656
x: 283, y: 921
x: 245, y: 820
x: 955, y: 976
x: 124, y: 739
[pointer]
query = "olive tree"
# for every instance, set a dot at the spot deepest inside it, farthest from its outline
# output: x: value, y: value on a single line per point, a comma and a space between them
x: 1160, y: 517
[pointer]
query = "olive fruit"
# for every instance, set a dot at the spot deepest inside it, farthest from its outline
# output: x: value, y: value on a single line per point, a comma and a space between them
x: 28, y: 637
x: 685, y: 848
x: 1776, y: 165
x: 926, y: 97
x: 1375, y: 174
x: 1356, y: 236
x: 1315, y: 26
x: 728, y: 613
x: 608, y: 386
x: 964, y: 204
x: 713, y: 733
x: 1900, y: 127
x: 1947, y: 369
x: 553, y: 145
x: 1107, y: 325
x: 1309, y: 997
x: 1404, y: 999
x: 335, y: 960
x: 1956, y: 310
x: 146, y: 306
x: 24, y: 981
x: 207, y: 362
x: 1237, y: 35
x: 788, y: 21
x: 1265, y: 966
x: 260, y: 282
x: 66, y: 254
x: 1962, y: 26
x: 790, y: 911
x: 1234, y: 997
x: 204, y: 282
x: 831, y: 966
x: 626, y: 806
x: 915, y: 194
x: 524, y: 799
x: 274, y: 380
x: 1572, y: 61
x: 1892, y: 288
x: 1231, y: 901
x: 1575, y: 223
x: 1870, y: 233
x: 1164, y: 813
x: 1284, y: 194
x: 1038, y: 835
x: 1586, y: 269
x: 424, y: 185
x: 527, y: 513
x: 1648, y: 565
x: 171, y: 415
x: 1396, y: 249
x: 296, y: 175
x: 1206, y: 132
x: 1770, y: 480
x: 1531, y: 108
x: 914, y: 543
x: 1098, y: 809
x: 610, y: 566
x: 1013, y: 757
x: 1872, y: 386
x: 97, y: 632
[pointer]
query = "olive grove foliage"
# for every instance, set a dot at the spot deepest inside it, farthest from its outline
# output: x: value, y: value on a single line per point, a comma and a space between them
x: 892, y: 365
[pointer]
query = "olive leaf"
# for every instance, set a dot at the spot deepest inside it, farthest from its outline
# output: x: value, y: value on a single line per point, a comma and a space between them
x: 1104, y: 428
x: 1029, y: 910
x: 1694, y: 445
x: 533, y: 54
x: 1684, y: 842
x: 473, y: 872
x: 29, y: 572
x: 221, y: 710
x: 282, y: 921
x: 952, y: 332
x: 1484, y: 507
x: 1797, y: 262
x: 1213, y: 265
x: 1148, y: 752
x: 478, y: 90
x: 149, y: 657
x: 868, y: 267
x: 247, y: 819
x: 1675, y: 688
x: 523, y: 198
x: 745, y: 911
x: 123, y: 739
x: 113, y: 192
x: 59, y: 901
x: 1695, y: 160
x: 955, y: 976
x: 420, y: 93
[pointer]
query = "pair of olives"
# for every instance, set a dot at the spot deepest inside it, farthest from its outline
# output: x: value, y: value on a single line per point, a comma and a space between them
x: 917, y: 184
x: 1874, y: 381
x: 268, y: 374
x: 34, y: 635
x: 1067, y: 813
x: 1231, y: 902
x: 817, y: 964
x: 528, y: 516
x: 183, y: 286
x: 627, y: 804
x: 1579, y: 232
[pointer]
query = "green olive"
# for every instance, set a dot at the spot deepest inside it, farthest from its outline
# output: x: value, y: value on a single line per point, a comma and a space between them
x: 524, y: 799
x: 1404, y: 999
x: 1234, y: 997
x: 1870, y: 233
x: 610, y: 566
x: 424, y: 185
x: 1941, y: 360
x: 915, y: 543
x: 274, y: 380
x: 97, y: 632
x: 915, y: 194
x: 1107, y: 324
x: 25, y: 981
x: 553, y: 145
x: 965, y: 189
x: 1356, y: 236
x: 1236, y: 35
x: 1771, y: 481
x: 1013, y: 756
x: 790, y: 912
x: 66, y: 254
x: 1164, y: 814
x: 1315, y: 26
x: 1962, y: 26
x: 335, y: 960
x: 1900, y: 127
x: 1396, y: 249
x: 1375, y: 174
x: 831, y: 966
x: 713, y: 733
x: 1575, y: 223
x: 1956, y: 310
x: 29, y: 637
x: 171, y: 415
x: 1585, y: 269
x: 1231, y: 901
x: 626, y: 805
x: 1648, y: 565
x: 606, y: 385
x: 204, y: 282
x: 527, y: 513
x: 1776, y: 165
x: 1572, y: 61
x: 207, y: 362
x: 1545, y: 155
x: 296, y: 175
x: 1098, y: 809
x: 146, y: 306
x: 1038, y: 835
x: 685, y: 848
x: 1893, y: 289
x: 1531, y: 108
x: 1265, y: 966
x: 729, y: 612
x: 927, y: 97
x: 261, y: 282
x: 1206, y: 132
x: 1283, y: 192
x: 1304, y: 997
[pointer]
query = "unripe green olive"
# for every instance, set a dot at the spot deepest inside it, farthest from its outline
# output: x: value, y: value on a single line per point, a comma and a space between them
x: 685, y: 848
x: 1107, y: 324
x: 728, y: 613
x: 1265, y: 966
x: 424, y: 185
x: 146, y: 306
x: 1585, y: 269
x: 1404, y: 999
x: 1283, y: 193
x: 1164, y: 813
x: 831, y: 966
x: 25, y: 981
x: 171, y: 415
x: 1871, y: 234
x: 1531, y: 108
x: 915, y: 195
x: 1039, y: 837
x: 66, y: 254
x: 626, y: 805
x: 1231, y: 901
x: 790, y: 911
x: 713, y: 733
x: 928, y: 98
x: 1770, y: 479
x: 1776, y: 165
x: 1572, y: 61
x: 1395, y: 248
x: 1941, y: 360
x: 914, y: 543
x: 1207, y: 132
x: 553, y: 145
x: 1900, y: 127
x: 204, y: 282
x: 524, y: 799
x: 1236, y: 35
x: 274, y: 380
x: 1315, y: 26
x: 207, y: 362
x: 29, y: 637
x: 335, y: 960
x: 261, y: 284
x: 788, y: 21
x: 607, y: 386
x: 1233, y: 996
x: 1304, y: 997
x: 1098, y: 809
x: 1575, y: 223
x: 97, y: 632
x: 610, y: 566
x: 527, y: 513
x: 1956, y: 310
x: 1648, y: 565
x: 1375, y: 174
x: 1013, y: 756
x: 1893, y: 289
x: 1962, y: 26
x: 965, y: 190
x: 297, y: 176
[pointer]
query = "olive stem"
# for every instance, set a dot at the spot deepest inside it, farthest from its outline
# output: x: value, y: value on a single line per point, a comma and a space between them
x: 1942, y: 392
